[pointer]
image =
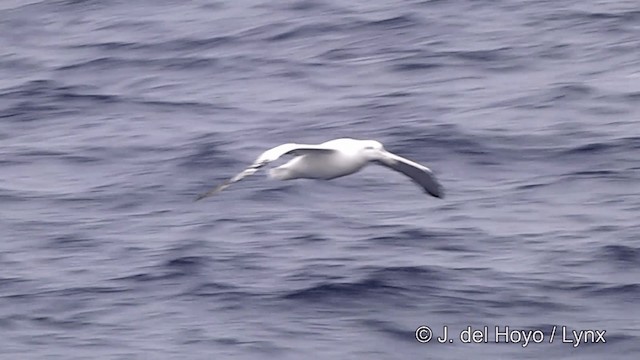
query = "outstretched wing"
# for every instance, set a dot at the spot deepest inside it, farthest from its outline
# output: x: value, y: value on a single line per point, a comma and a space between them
x: 422, y: 175
x: 264, y: 159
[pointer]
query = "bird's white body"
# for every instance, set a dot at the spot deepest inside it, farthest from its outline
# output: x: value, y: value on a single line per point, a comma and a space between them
x: 333, y: 159
x: 345, y: 160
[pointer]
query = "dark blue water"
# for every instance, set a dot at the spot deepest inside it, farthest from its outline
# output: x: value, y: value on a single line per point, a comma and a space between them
x: 114, y: 115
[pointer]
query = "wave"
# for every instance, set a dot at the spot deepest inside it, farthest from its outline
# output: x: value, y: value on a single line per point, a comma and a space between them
x: 380, y: 283
x: 622, y: 255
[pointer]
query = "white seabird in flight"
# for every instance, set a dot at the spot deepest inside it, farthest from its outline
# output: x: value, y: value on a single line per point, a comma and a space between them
x: 333, y: 159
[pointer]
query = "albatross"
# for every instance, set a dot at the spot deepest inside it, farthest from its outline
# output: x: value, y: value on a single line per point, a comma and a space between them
x: 334, y: 159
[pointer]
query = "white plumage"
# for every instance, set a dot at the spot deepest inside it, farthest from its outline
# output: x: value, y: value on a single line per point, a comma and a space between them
x: 333, y: 159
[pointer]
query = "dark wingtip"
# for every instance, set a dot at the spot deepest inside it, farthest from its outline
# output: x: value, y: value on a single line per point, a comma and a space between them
x: 202, y: 196
x: 437, y: 193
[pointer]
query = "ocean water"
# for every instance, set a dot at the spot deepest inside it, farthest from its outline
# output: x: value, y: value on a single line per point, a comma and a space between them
x: 115, y: 114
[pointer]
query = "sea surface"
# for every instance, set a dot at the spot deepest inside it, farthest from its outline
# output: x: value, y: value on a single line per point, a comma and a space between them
x: 115, y: 115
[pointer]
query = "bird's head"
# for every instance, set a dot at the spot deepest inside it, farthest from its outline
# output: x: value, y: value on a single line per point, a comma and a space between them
x: 372, y: 150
